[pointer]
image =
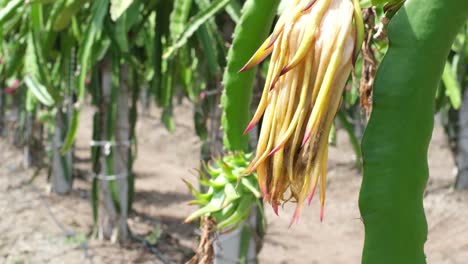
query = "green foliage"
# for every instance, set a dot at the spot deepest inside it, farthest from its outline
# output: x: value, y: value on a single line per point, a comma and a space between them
x: 118, y: 7
x: 154, y: 236
x: 184, y: 58
x: 9, y: 10
x: 68, y: 12
x: 230, y: 194
x: 98, y: 12
x: 452, y: 86
x: 385, y: 2
x: 194, y: 24
x: 76, y: 239
x: 449, y: 94
x: 39, y: 91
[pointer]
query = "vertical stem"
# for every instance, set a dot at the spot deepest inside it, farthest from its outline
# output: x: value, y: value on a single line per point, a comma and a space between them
x: 396, y: 141
x: 121, y: 156
x: 113, y: 173
x: 115, y: 158
x: 97, y: 135
x: 134, y: 86
x: 28, y: 140
x: 107, y: 211
x: 462, y: 145
x: 250, y: 32
x: 61, y: 163
x: 2, y: 108
x: 17, y: 130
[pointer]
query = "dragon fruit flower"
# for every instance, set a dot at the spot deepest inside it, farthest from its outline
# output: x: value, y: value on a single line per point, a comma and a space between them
x: 312, y: 50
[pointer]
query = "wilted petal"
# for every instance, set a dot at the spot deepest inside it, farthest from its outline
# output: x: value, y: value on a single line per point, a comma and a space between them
x: 312, y: 45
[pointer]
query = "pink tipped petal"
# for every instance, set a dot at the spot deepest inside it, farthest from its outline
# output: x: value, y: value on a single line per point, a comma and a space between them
x: 276, y: 149
x: 296, y: 216
x: 266, y: 195
x: 311, y: 197
x: 285, y: 70
x: 322, y: 212
x: 309, y: 5
x: 274, y: 205
x: 291, y: 65
x: 257, y: 61
x: 273, y: 84
x: 273, y: 39
x: 260, y: 55
x: 306, y: 138
x: 252, y: 170
x: 250, y: 127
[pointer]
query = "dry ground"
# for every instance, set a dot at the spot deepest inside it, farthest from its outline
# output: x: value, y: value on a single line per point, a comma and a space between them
x: 39, y: 227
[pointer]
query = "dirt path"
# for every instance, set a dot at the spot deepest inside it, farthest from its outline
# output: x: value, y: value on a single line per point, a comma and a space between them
x: 34, y: 224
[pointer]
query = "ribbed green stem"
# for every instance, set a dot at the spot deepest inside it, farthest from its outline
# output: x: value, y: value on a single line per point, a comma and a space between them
x: 251, y: 31
x: 396, y: 141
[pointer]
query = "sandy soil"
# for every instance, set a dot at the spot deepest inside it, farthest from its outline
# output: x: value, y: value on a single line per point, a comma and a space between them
x: 39, y: 227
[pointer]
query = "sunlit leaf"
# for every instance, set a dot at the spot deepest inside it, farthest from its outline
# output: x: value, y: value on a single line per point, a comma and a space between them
x: 118, y: 7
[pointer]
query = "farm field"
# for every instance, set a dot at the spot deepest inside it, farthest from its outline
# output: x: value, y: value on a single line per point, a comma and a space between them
x: 234, y: 131
x: 34, y: 223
